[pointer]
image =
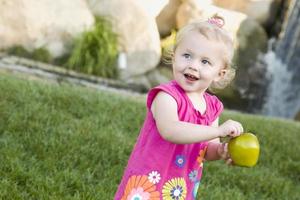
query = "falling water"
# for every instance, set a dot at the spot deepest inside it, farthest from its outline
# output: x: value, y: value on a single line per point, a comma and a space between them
x: 283, y: 66
x: 278, y: 103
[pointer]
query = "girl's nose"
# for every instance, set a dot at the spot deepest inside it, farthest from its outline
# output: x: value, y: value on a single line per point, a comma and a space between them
x: 194, y: 65
x: 193, y: 68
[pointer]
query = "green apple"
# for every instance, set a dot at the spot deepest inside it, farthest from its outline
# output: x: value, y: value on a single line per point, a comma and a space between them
x: 244, y: 150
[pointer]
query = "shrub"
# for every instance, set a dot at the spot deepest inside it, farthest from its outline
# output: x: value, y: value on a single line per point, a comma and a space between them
x: 95, y: 51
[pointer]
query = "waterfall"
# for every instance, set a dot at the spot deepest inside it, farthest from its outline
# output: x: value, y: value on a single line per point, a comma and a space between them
x: 278, y: 103
x: 283, y: 65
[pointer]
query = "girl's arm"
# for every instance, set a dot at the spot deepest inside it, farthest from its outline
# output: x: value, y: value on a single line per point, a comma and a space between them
x: 164, y: 110
x: 214, y: 147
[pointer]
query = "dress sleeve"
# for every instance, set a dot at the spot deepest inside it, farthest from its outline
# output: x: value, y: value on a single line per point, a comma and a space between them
x: 167, y: 88
x: 216, y: 107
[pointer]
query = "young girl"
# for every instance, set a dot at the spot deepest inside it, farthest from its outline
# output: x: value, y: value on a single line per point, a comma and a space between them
x: 181, y: 127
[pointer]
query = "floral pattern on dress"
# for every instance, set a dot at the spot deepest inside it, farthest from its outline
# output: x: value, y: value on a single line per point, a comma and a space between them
x: 154, y: 177
x: 180, y: 161
x: 193, y: 175
x: 140, y: 188
x: 195, y: 189
x: 200, y: 156
x: 174, y: 189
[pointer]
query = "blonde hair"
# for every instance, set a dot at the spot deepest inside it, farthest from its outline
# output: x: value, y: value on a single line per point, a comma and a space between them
x: 211, y: 31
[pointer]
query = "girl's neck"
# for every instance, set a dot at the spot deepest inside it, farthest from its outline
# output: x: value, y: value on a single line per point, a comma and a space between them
x: 195, y: 94
x: 198, y: 101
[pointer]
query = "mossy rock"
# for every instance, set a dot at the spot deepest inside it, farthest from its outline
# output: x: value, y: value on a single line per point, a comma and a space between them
x: 39, y: 54
x: 252, y: 40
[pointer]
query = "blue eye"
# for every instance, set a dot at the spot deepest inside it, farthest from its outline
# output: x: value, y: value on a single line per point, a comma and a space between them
x: 204, y: 61
x: 186, y: 55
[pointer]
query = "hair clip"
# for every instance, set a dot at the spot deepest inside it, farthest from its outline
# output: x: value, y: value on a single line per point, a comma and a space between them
x: 216, y: 20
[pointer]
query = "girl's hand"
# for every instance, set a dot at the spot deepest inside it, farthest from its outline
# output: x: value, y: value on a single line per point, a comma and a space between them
x: 223, y: 153
x: 231, y: 128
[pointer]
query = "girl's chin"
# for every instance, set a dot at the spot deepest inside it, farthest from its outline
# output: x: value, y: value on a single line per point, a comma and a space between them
x: 192, y: 87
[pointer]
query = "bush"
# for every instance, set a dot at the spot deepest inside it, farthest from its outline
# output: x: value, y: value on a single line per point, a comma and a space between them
x: 95, y: 51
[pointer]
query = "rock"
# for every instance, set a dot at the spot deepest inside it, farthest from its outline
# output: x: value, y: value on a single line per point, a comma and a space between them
x: 45, y: 23
x: 141, y: 80
x: 153, y: 8
x: 146, y: 81
x: 166, y: 20
x: 297, y: 117
x: 191, y: 11
x: 252, y: 40
x: 263, y: 11
x: 138, y: 34
x: 157, y: 77
x: 150, y: 79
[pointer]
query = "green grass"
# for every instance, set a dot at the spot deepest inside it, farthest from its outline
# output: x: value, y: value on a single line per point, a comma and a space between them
x: 64, y: 142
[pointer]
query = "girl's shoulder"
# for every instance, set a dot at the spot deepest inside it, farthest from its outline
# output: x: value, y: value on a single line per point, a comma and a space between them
x: 170, y: 88
x: 212, y: 99
x: 214, y: 105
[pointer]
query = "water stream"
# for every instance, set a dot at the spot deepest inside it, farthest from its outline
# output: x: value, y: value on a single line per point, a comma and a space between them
x: 283, y: 65
x: 278, y: 103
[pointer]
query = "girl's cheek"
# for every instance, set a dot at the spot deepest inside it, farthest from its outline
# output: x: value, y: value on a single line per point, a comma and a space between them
x: 183, y: 62
x: 178, y: 64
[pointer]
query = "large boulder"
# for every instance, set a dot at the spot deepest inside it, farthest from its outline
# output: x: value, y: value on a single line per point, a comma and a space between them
x: 169, y: 18
x: 153, y: 8
x: 138, y: 34
x: 166, y: 20
x: 263, y: 11
x: 192, y: 10
x: 44, y: 23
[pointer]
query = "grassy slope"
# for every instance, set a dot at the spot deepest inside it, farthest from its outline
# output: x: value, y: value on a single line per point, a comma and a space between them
x: 72, y: 143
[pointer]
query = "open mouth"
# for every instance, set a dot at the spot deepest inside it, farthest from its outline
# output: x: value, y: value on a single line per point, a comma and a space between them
x: 191, y: 77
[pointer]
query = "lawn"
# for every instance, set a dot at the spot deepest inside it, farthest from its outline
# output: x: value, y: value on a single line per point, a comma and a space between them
x: 66, y: 142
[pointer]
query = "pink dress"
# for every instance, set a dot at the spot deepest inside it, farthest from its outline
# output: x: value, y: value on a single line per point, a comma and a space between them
x: 159, y: 169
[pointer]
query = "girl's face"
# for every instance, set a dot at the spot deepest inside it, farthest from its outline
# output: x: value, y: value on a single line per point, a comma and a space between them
x: 197, y: 62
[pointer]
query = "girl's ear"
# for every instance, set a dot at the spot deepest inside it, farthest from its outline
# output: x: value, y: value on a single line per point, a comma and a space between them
x: 221, y: 75
x: 223, y: 72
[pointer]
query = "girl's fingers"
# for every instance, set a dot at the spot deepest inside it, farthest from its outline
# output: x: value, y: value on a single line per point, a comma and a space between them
x: 232, y: 132
x: 229, y: 162
x: 235, y: 132
x: 242, y: 129
x: 227, y: 152
x: 223, y: 155
x: 239, y: 129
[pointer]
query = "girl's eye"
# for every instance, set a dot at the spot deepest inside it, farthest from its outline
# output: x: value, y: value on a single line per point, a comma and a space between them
x: 186, y: 55
x: 204, y: 61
